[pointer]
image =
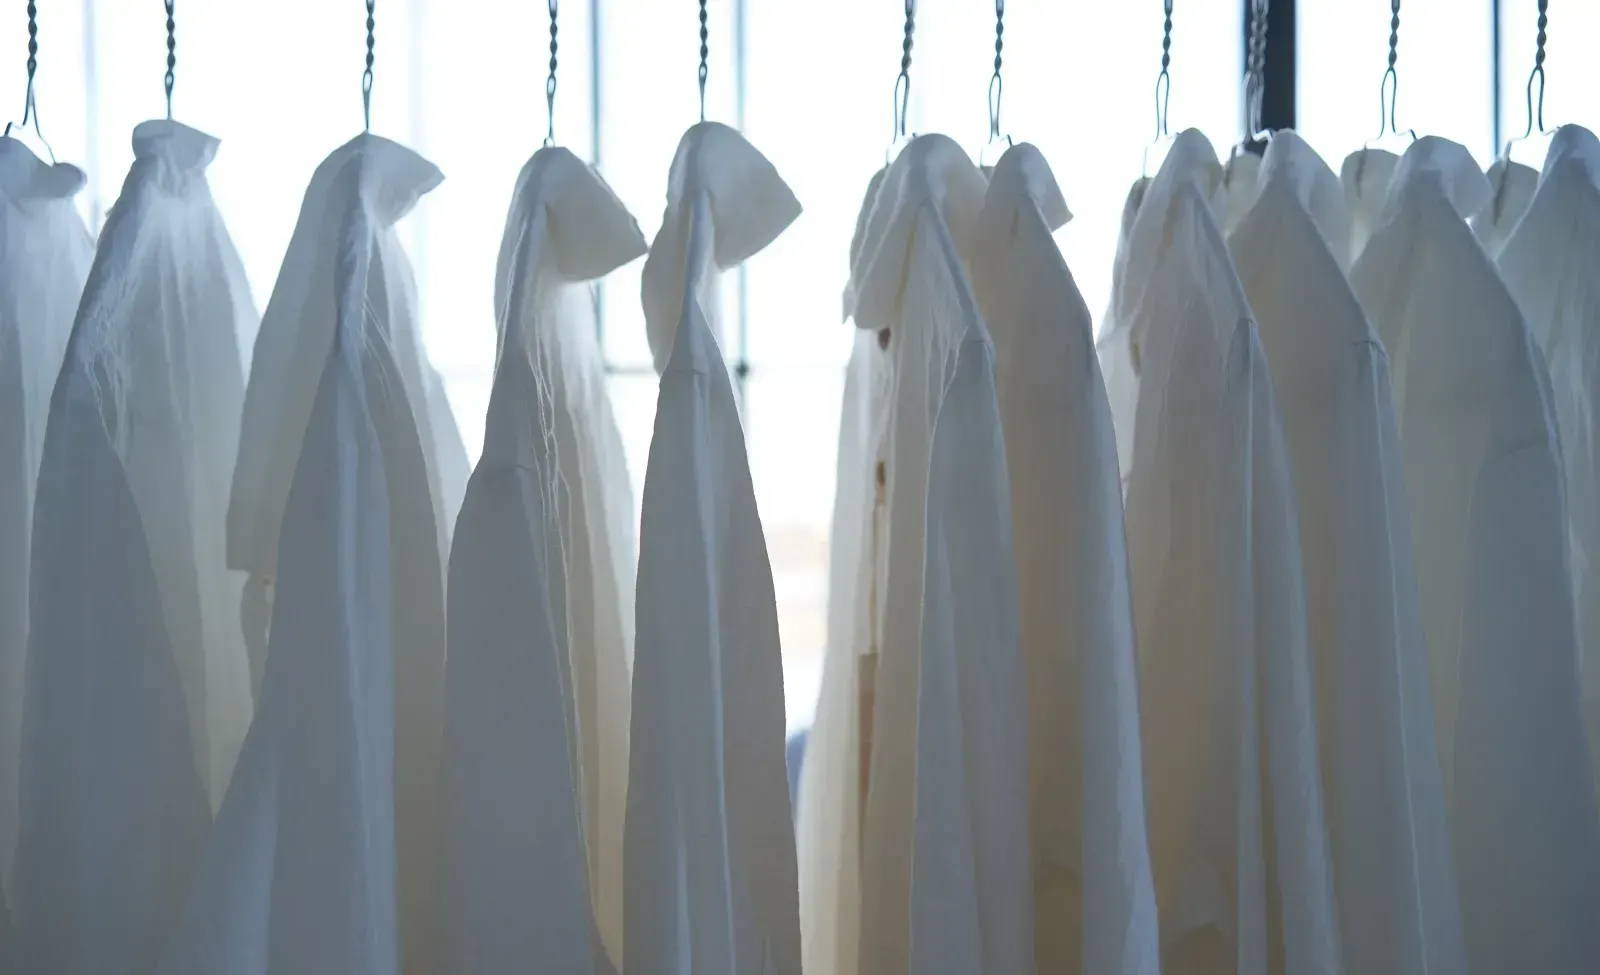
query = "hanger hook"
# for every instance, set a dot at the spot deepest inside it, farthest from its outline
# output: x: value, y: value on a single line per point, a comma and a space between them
x: 1389, y: 87
x: 1536, y: 114
x: 170, y: 78
x: 902, y: 81
x: 1164, y: 79
x: 30, y: 109
x: 550, y: 84
x: 366, y: 76
x: 996, y: 86
x: 704, y: 52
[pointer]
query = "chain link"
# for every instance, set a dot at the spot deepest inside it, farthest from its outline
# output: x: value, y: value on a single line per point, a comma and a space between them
x: 171, y: 78
x: 366, y: 75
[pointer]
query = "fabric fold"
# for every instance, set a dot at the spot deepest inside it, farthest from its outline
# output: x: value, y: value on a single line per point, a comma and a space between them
x: 346, y: 285
x: 1389, y: 832
x: 137, y: 456
x: 541, y: 605
x: 1094, y: 902
x: 1548, y: 266
x: 45, y: 254
x: 708, y: 849
x: 1483, y: 474
x: 1237, y: 831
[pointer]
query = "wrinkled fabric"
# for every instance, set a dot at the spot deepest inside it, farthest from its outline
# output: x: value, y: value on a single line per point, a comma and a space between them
x: 1241, y: 181
x: 1388, y: 831
x: 906, y: 296
x: 1549, y: 267
x: 1142, y: 244
x: 1511, y: 190
x: 44, y: 258
x: 345, y: 279
x: 828, y: 803
x: 1094, y: 902
x: 138, y: 685
x: 1237, y: 833
x: 537, y: 670
x: 1365, y: 176
x: 1483, y: 477
x: 971, y: 889
x: 708, y: 849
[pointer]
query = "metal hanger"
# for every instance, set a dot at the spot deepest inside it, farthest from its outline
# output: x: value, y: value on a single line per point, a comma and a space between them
x: 30, y: 110
x: 998, y: 143
x: 1535, y: 128
x: 902, y: 88
x: 1256, y: 136
x: 169, y: 79
x: 550, y: 85
x: 366, y: 75
x: 1388, y: 92
x: 1163, y: 139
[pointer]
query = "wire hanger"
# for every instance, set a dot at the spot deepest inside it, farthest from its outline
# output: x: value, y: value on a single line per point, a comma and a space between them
x: 1535, y: 128
x: 705, y: 51
x: 30, y: 110
x: 366, y: 76
x: 1388, y: 93
x: 550, y: 84
x: 1256, y: 135
x: 998, y: 143
x: 169, y: 79
x: 902, y: 87
x: 1163, y: 140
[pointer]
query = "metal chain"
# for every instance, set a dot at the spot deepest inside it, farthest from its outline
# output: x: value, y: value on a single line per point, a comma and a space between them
x: 1164, y: 79
x: 28, y: 107
x: 1538, y: 71
x: 995, y: 85
x: 172, y: 55
x: 550, y: 83
x: 704, y: 52
x: 366, y: 76
x: 902, y: 82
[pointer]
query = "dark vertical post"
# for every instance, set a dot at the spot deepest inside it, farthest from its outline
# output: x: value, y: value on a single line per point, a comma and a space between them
x: 1496, y: 123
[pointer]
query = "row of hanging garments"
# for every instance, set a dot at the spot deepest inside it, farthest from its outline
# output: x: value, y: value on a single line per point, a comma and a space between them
x: 1256, y: 638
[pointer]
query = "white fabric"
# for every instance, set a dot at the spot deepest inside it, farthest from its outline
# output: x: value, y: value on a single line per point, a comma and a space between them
x: 44, y: 258
x: 971, y: 886
x: 1094, y: 902
x: 1388, y: 830
x: 537, y: 672
x: 709, y: 862
x: 137, y: 458
x: 1483, y: 475
x: 1241, y: 181
x: 1365, y: 176
x: 1549, y: 265
x: 351, y: 713
x: 828, y: 804
x: 1237, y: 833
x: 1511, y: 190
x: 904, y: 287
x: 1190, y: 160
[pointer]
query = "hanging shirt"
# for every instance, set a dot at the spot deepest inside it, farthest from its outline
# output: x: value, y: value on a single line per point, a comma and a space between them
x: 1548, y: 265
x: 1094, y: 903
x: 1112, y: 348
x: 906, y: 296
x: 709, y: 863
x: 828, y: 801
x: 537, y: 670
x: 1389, y: 833
x: 1365, y: 176
x: 1241, y: 181
x: 137, y: 458
x: 1483, y: 475
x: 1511, y: 190
x: 345, y: 278
x: 1237, y: 832
x: 44, y: 257
x: 971, y: 891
